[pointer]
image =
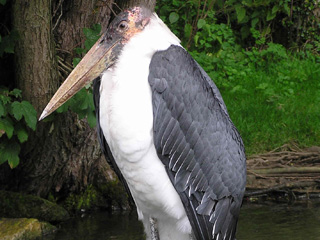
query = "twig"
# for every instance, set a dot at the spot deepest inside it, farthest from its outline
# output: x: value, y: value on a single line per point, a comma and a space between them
x: 55, y: 25
x: 279, y: 188
x: 287, y: 170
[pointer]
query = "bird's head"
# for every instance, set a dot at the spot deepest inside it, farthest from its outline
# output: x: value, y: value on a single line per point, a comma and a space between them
x: 102, y: 55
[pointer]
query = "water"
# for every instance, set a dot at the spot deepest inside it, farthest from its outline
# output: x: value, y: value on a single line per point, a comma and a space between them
x: 257, y: 222
x: 280, y: 222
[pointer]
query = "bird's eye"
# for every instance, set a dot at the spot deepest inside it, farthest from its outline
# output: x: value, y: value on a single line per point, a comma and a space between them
x: 123, y: 25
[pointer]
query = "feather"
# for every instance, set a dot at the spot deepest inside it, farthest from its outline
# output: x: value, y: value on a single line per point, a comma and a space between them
x: 201, y: 148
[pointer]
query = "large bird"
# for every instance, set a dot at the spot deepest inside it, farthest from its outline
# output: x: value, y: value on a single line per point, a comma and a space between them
x: 164, y: 128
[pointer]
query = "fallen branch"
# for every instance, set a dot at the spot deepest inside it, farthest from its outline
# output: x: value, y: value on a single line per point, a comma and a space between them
x: 281, y: 187
x: 286, y: 170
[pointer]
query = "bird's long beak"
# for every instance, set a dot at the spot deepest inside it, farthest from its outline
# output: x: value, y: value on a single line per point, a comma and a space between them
x: 99, y: 58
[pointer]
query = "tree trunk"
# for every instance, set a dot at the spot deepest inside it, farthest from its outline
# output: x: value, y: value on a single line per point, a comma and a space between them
x: 63, y: 155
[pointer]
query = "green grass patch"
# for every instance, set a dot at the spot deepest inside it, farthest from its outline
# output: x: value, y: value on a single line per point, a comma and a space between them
x: 273, y: 97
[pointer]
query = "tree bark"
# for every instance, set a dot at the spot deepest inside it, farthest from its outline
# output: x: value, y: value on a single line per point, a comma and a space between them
x: 63, y: 155
x: 70, y: 18
x: 36, y: 69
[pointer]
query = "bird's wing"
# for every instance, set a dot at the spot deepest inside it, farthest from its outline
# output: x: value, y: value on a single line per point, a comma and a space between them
x: 195, y: 139
x: 103, y: 143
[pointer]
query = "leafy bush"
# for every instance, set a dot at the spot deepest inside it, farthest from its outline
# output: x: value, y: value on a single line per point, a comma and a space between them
x: 294, y: 24
x: 16, y: 117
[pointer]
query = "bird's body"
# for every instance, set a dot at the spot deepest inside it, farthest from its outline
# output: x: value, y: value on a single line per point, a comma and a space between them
x: 126, y: 118
x: 164, y: 128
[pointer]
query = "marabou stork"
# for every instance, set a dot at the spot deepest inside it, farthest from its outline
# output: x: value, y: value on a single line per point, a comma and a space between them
x: 164, y: 128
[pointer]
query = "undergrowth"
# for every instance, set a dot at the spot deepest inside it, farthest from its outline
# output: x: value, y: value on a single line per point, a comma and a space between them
x: 272, y: 96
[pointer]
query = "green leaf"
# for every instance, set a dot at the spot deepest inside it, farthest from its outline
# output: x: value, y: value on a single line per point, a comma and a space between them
x: 16, y: 92
x: 187, y: 30
x: 247, y: 3
x: 92, y: 35
x: 173, y: 17
x: 65, y: 106
x: 76, y: 61
x: 21, y: 133
x: 2, y: 109
x: 266, y: 31
x: 9, y: 151
x: 79, y: 50
x: 230, y: 2
x: 4, y: 98
x: 16, y: 110
x: 80, y: 101
x: 201, y: 23
x: 262, y: 86
x: 287, y: 9
x: 254, y: 22
x: 85, y: 101
x: 241, y: 13
x: 96, y: 28
x: 220, y: 3
x: 270, y: 15
x: 275, y: 9
x: 91, y: 118
x: 3, y: 2
x: 30, y: 115
x: 26, y: 110
x: 7, y: 126
x: 255, y: 14
x: 196, y: 39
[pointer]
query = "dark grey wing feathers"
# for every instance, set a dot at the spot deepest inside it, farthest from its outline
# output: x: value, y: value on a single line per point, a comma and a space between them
x: 195, y: 139
x: 103, y: 143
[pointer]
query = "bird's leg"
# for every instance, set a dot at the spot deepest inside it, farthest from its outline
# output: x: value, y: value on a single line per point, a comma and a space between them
x: 154, y: 229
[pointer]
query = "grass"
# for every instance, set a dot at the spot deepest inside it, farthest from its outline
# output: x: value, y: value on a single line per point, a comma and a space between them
x: 273, y: 97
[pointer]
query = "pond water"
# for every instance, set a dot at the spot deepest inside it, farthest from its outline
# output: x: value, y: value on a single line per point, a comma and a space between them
x: 257, y: 222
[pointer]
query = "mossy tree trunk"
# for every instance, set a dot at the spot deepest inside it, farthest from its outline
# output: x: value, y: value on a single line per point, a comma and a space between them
x: 63, y: 155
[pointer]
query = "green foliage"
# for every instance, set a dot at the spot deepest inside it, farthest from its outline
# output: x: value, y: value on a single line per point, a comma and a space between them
x: 272, y: 95
x: 212, y: 38
x: 82, y: 102
x: 294, y: 24
x: 16, y: 117
x: 255, y: 23
x: 26, y: 110
x: 90, y: 199
x: 184, y: 17
x: 7, y: 43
